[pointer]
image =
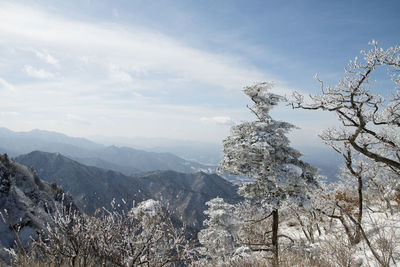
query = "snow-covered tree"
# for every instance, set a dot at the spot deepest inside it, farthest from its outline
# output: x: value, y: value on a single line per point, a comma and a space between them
x: 220, y: 236
x: 370, y: 122
x: 143, y: 236
x: 260, y: 150
x: 369, y: 137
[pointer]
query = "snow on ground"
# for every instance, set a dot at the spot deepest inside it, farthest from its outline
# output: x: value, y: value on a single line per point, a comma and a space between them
x: 381, y: 227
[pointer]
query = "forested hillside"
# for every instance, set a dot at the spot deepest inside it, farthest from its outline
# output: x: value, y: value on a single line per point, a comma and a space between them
x: 94, y: 188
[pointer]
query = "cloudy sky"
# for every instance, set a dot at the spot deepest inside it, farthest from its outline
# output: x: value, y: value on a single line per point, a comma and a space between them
x: 174, y: 68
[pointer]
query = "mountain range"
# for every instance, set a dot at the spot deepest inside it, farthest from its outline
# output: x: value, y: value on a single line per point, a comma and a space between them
x: 92, y: 176
x: 202, y: 152
x: 93, y: 188
x: 123, y: 159
x: 129, y: 160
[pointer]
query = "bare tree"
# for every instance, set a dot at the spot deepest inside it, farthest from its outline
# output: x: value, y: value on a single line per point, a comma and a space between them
x: 370, y: 123
x: 368, y: 138
x: 143, y: 236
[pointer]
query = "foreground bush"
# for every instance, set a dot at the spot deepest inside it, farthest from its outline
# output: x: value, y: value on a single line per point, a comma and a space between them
x: 145, y: 235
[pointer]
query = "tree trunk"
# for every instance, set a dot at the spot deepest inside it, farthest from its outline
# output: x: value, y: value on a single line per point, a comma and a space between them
x: 275, y: 248
x: 357, y: 236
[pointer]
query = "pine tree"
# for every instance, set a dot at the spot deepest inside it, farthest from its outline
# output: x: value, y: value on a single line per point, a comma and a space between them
x: 260, y: 150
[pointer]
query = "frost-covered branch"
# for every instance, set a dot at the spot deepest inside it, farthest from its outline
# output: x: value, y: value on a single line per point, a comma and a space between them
x: 371, y: 123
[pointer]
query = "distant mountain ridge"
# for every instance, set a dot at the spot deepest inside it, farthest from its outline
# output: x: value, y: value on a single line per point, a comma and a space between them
x: 202, y: 152
x: 123, y: 159
x: 92, y: 187
x: 131, y: 161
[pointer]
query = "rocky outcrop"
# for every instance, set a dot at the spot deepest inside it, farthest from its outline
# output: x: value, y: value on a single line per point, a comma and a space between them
x: 26, y: 203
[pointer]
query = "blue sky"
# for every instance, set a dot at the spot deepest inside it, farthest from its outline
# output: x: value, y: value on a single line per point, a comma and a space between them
x: 174, y: 69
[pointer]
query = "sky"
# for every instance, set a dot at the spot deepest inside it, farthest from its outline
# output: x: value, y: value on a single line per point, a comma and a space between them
x: 175, y: 68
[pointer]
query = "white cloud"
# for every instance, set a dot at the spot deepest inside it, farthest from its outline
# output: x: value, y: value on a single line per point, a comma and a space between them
x: 38, y: 73
x: 47, y: 58
x: 119, y: 72
x: 9, y: 113
x: 5, y: 85
x: 221, y: 120
x: 78, y: 119
x: 115, y: 13
x: 128, y: 47
x: 119, y: 75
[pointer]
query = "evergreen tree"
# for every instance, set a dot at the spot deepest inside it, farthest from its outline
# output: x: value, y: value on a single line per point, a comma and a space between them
x: 260, y: 150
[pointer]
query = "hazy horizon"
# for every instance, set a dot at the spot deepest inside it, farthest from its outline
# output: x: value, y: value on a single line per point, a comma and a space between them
x: 175, y: 69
